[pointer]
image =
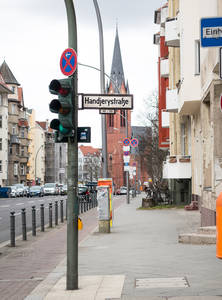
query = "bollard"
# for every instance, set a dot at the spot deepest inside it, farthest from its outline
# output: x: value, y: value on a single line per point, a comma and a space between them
x: 81, y: 203
x: 61, y: 211
x: 24, y: 233
x: 42, y: 219
x: 12, y: 228
x: 56, y: 212
x: 33, y: 221
x: 219, y: 226
x: 50, y: 215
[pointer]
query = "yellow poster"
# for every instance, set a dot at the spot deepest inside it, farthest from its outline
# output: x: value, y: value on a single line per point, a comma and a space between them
x: 108, y: 182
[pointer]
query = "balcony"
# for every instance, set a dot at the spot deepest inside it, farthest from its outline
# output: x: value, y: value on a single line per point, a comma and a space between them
x: 165, y: 119
x: 164, y: 68
x: 172, y: 100
x: 14, y: 139
x: 177, y: 167
x: 164, y: 14
x: 172, y: 35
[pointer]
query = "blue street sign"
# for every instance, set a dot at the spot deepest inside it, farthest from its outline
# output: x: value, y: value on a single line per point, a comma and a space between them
x: 211, y: 32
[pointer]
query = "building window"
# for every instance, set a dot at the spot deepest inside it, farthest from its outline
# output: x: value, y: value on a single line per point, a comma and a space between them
x: 0, y: 165
x: 22, y: 132
x: 60, y: 157
x: 17, y: 149
x: 14, y: 129
x: 22, y: 169
x: 10, y: 149
x: 111, y: 120
x: 197, y: 57
x: 13, y: 89
x: 0, y: 121
x: 1, y: 100
x: 14, y: 108
x: 22, y: 151
x: 15, y: 169
x: 0, y: 144
x: 122, y: 118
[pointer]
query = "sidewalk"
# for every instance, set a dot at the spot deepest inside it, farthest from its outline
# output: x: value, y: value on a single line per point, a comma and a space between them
x: 140, y: 259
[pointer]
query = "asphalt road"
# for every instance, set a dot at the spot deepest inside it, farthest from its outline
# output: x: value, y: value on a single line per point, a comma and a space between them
x: 8, y: 205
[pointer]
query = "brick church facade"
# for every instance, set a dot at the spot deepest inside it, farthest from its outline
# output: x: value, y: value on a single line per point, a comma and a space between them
x: 116, y: 125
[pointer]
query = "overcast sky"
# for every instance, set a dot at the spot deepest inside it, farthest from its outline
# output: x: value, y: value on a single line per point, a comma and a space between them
x: 34, y: 35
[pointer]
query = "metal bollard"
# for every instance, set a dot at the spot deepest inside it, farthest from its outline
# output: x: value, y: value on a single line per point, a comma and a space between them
x: 24, y: 233
x: 33, y: 221
x: 50, y: 215
x: 81, y: 203
x: 12, y: 228
x: 56, y: 212
x: 42, y: 217
x: 61, y: 211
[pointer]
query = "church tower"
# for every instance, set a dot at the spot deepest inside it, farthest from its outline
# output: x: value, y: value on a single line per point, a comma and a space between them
x: 116, y: 123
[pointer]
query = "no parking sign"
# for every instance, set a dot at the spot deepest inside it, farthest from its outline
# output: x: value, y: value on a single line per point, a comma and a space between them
x: 68, y: 62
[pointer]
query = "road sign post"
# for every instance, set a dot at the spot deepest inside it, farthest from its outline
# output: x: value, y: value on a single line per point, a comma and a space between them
x: 72, y: 199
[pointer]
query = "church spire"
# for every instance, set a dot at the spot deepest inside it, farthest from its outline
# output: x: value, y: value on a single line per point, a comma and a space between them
x: 117, y: 74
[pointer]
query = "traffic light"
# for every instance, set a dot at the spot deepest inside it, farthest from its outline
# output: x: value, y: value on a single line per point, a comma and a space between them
x: 63, y: 106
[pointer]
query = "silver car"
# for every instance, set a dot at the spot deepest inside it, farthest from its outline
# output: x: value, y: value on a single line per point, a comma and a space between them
x: 51, y: 189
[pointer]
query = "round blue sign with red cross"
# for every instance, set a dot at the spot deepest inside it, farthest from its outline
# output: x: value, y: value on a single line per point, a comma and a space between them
x: 126, y: 142
x: 134, y: 142
x: 68, y: 62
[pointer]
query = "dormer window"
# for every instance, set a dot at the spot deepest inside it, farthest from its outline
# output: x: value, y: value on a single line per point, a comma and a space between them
x: 13, y: 89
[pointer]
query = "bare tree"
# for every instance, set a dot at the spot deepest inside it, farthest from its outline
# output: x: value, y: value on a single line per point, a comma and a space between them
x: 149, y: 150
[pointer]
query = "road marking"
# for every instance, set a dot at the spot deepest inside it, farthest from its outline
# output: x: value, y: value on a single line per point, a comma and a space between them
x: 41, y: 200
x: 4, y: 206
x: 0, y: 218
x: 19, y: 204
x: 31, y: 201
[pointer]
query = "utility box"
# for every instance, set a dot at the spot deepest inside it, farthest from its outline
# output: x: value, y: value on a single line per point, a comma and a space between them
x: 103, y: 208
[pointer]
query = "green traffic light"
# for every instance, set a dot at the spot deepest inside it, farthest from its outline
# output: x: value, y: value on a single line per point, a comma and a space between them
x: 63, y: 130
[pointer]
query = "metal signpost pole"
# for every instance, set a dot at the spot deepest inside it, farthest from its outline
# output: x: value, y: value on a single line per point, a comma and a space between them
x: 72, y: 200
x: 102, y: 85
x: 127, y: 172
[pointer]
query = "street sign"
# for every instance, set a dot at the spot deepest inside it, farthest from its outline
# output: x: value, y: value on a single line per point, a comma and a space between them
x: 126, y: 142
x: 107, y: 101
x: 84, y: 134
x: 134, y: 142
x: 211, y: 32
x: 68, y: 62
x: 107, y: 111
x: 126, y: 148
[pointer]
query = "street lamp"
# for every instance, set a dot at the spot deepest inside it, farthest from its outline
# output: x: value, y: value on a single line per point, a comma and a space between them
x: 102, y: 86
x: 36, y: 160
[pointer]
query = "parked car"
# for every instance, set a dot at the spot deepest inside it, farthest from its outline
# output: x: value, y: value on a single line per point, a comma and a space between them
x: 123, y: 190
x: 51, y: 189
x: 5, y: 192
x: 36, y: 190
x: 20, y: 189
x: 63, y: 190
x: 13, y: 192
x: 83, y: 190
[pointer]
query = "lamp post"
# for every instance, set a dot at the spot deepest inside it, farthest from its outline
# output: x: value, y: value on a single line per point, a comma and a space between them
x: 36, y: 160
x: 102, y: 86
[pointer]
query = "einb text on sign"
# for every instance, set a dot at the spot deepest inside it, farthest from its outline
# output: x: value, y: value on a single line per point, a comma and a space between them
x: 68, y: 62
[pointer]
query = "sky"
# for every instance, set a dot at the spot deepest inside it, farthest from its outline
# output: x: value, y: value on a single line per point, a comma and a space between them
x: 34, y: 35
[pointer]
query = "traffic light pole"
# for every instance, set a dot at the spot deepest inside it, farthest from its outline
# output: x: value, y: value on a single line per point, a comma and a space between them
x: 72, y: 200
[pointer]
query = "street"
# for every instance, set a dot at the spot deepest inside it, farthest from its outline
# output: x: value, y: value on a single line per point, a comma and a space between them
x: 8, y: 205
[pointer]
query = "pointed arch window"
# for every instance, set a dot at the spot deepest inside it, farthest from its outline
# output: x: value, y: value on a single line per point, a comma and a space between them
x: 123, y: 118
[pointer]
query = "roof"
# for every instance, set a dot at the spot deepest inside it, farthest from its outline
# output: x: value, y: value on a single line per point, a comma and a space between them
x: 89, y: 150
x: 44, y: 126
x: 117, y: 73
x: 3, y: 86
x: 7, y: 74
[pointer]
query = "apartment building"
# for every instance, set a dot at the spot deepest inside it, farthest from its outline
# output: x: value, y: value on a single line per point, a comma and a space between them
x: 194, y: 92
x: 4, y: 91
x: 17, y: 129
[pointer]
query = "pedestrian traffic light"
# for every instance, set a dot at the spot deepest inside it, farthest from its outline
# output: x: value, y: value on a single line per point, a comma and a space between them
x: 63, y: 106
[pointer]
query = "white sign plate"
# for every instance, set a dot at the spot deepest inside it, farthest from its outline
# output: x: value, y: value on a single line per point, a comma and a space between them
x: 107, y: 111
x: 126, y: 158
x: 107, y: 101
